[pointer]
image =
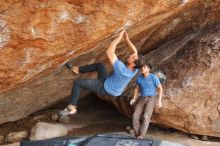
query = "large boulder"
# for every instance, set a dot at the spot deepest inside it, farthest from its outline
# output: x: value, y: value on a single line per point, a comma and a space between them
x: 192, y: 94
x: 191, y: 101
x: 37, y: 37
x: 44, y: 130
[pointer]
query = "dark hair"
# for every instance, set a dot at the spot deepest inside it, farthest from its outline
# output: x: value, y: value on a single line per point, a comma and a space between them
x: 139, y: 62
x: 148, y: 65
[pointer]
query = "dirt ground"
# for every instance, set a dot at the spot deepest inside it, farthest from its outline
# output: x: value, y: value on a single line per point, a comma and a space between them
x: 95, y: 117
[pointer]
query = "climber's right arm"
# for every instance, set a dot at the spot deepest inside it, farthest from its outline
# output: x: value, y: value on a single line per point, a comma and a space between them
x: 111, y: 50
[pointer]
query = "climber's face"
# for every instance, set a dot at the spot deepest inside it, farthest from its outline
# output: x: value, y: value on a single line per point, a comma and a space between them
x: 132, y: 59
x: 145, y: 69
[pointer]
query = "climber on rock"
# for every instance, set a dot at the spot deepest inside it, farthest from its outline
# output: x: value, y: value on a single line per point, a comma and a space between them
x: 147, y: 85
x: 105, y: 84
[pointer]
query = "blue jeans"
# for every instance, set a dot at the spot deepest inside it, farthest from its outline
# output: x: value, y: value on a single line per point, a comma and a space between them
x: 94, y: 85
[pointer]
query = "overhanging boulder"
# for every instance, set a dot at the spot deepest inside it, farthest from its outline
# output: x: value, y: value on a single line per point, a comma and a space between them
x: 38, y: 37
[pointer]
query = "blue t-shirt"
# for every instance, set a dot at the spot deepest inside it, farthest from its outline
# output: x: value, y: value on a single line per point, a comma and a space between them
x: 118, y: 80
x: 148, y: 85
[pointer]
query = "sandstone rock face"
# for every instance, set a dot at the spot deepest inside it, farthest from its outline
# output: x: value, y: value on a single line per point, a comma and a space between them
x: 43, y: 131
x: 16, y: 136
x: 2, y: 138
x: 37, y: 37
x: 191, y: 93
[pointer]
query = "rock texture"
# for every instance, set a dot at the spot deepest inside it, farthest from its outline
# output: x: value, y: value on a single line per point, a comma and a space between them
x: 2, y: 138
x: 191, y: 94
x: 38, y: 36
x: 16, y: 136
x: 43, y: 131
